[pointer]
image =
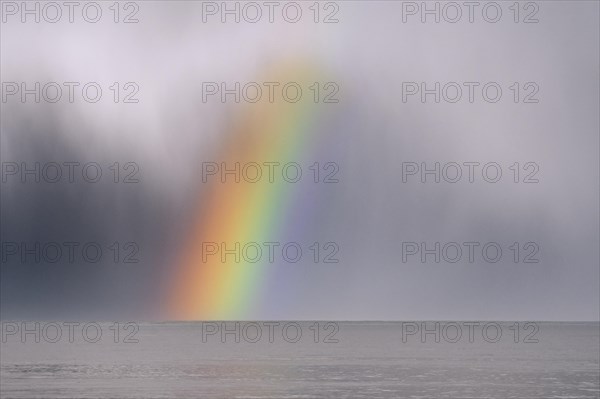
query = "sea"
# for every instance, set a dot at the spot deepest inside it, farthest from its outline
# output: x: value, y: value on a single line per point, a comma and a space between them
x: 307, y: 359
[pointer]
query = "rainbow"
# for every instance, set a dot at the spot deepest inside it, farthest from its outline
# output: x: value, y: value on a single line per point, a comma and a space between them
x: 229, y: 212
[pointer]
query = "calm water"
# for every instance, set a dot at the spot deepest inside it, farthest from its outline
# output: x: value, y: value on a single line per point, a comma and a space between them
x: 370, y: 360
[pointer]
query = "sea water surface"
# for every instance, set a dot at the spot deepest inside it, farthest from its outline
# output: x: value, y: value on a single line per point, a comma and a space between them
x: 307, y: 360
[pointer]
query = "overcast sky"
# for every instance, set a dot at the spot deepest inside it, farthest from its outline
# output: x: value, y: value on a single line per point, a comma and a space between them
x: 370, y: 133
